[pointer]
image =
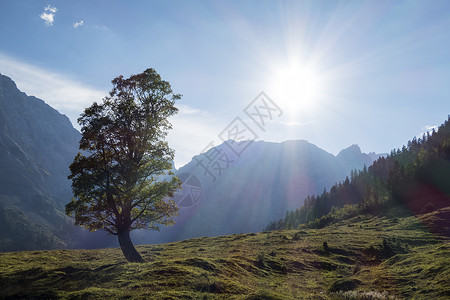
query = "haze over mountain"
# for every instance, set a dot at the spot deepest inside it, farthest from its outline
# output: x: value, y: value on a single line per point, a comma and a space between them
x: 233, y: 193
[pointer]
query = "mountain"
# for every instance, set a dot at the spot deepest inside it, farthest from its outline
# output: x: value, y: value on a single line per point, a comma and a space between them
x: 352, y: 157
x: 37, y: 145
x: 226, y: 189
x: 226, y: 193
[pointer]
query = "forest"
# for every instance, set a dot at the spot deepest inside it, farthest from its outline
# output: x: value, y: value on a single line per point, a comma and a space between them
x: 415, y: 177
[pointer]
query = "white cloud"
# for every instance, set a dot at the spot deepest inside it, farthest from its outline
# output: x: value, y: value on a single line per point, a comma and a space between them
x: 187, y: 110
x: 51, y: 9
x: 430, y: 128
x: 66, y: 95
x: 48, y: 15
x: 427, y: 129
x: 78, y: 24
x: 294, y: 123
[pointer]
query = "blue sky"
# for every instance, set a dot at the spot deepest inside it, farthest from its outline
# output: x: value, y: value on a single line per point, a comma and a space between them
x: 372, y: 73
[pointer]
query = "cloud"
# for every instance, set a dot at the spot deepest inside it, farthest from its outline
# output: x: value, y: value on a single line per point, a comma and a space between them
x: 187, y: 110
x: 48, y: 14
x: 427, y: 129
x: 193, y: 129
x: 430, y: 128
x: 295, y: 123
x: 100, y: 27
x: 62, y: 93
x: 51, y: 9
x: 78, y: 24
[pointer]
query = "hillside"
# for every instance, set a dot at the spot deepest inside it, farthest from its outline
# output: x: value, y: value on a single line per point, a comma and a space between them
x: 417, y: 177
x: 37, y: 144
x: 383, y: 257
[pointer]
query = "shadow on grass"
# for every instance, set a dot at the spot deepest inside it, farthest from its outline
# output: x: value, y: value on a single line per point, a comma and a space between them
x: 38, y: 283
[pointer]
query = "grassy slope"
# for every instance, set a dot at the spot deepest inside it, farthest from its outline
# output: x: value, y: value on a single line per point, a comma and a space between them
x: 413, y: 263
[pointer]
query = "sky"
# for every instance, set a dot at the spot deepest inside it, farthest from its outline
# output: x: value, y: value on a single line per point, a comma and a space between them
x: 335, y: 73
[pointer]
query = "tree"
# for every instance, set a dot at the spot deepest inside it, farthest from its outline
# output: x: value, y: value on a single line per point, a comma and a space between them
x: 117, y: 180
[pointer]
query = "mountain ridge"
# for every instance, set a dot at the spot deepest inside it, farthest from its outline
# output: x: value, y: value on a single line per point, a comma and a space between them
x: 239, y: 192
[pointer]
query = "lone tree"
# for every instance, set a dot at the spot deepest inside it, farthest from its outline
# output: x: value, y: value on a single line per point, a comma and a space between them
x: 117, y: 180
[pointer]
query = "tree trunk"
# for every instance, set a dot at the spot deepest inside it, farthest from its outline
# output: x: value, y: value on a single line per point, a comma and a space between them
x: 127, y: 246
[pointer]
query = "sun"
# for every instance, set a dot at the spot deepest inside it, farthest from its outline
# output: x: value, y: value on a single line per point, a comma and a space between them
x: 295, y: 87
